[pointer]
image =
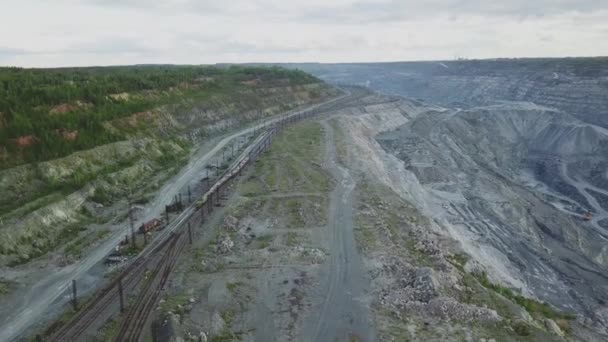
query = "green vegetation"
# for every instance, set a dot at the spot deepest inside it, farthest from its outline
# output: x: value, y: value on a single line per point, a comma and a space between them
x: 264, y: 241
x: 175, y: 304
x: 288, y: 181
x: 534, y: 307
x: 110, y: 330
x: 383, y: 216
x: 40, y: 244
x: 49, y: 113
x: 458, y: 260
x: 49, y: 189
x: 5, y: 287
x: 341, y: 149
x: 292, y: 239
x: 233, y: 286
x: 291, y: 164
x: 521, y: 328
x: 227, y: 334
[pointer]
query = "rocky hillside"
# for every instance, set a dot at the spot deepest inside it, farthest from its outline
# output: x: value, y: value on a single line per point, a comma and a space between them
x: 574, y: 85
x: 506, y: 157
x: 74, y: 143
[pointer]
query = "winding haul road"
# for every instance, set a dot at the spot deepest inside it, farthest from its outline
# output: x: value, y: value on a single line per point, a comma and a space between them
x: 50, y: 293
x: 582, y: 186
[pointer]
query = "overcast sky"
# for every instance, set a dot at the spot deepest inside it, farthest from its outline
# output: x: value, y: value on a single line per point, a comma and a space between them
x: 45, y: 33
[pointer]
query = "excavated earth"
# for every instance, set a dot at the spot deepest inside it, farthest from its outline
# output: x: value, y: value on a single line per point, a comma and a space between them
x: 507, y: 158
x: 409, y: 221
x: 511, y: 179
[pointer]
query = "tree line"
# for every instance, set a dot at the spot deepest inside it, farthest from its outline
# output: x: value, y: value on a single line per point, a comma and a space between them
x: 41, y: 106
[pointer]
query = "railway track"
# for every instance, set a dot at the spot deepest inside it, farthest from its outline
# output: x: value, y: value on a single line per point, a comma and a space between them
x: 161, y: 256
x: 107, y: 297
x: 136, y: 318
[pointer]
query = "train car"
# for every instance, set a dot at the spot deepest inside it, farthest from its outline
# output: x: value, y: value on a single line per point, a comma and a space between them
x: 150, y: 225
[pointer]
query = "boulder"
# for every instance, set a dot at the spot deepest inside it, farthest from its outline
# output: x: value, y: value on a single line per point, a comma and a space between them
x: 553, y: 328
x: 231, y: 223
x: 217, y: 324
x: 168, y: 329
x: 225, y: 245
x: 426, y: 284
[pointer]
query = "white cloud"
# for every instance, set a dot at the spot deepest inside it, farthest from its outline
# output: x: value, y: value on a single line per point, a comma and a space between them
x: 70, y: 32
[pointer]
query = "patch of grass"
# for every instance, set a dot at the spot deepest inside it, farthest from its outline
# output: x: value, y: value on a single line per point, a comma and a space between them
x: 228, y: 317
x: 175, y: 303
x: 102, y: 195
x: 200, y: 252
x: 133, y: 250
x: 264, y: 241
x: 41, y: 244
x: 293, y: 162
x: 341, y: 149
x: 5, y: 287
x: 109, y: 331
x: 29, y: 207
x: 521, y: 328
x: 458, y: 260
x: 292, y: 239
x: 252, y: 187
x: 365, y: 234
x: 534, y: 307
x: 226, y: 336
x: 293, y: 208
x: 421, y: 258
x: 476, y: 294
x: 233, y: 286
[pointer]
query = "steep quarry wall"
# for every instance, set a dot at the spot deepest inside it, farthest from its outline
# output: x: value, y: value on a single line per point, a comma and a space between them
x: 578, y: 86
x: 48, y: 203
x: 463, y: 170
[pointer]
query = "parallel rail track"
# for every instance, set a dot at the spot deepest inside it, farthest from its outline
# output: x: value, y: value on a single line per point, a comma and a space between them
x: 94, y: 309
x: 135, y: 319
x: 159, y: 257
x: 163, y: 253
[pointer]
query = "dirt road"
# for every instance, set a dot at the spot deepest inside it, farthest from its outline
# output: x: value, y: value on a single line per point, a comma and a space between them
x: 582, y: 186
x: 343, y: 313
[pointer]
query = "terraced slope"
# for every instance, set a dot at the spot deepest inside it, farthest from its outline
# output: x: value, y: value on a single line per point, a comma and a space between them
x: 87, y: 139
x: 577, y: 86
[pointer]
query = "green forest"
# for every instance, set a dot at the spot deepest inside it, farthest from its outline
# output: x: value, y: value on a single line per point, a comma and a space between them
x: 49, y: 113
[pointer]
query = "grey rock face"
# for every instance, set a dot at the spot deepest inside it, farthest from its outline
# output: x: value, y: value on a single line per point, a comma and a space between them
x: 217, y: 324
x: 168, y: 329
x: 553, y: 327
x: 425, y: 284
x: 577, y: 85
x: 509, y: 166
x: 481, y: 155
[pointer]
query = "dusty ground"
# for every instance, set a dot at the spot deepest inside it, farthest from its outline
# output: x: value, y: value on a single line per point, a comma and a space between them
x: 329, y: 238
x: 254, y: 281
x: 287, y: 263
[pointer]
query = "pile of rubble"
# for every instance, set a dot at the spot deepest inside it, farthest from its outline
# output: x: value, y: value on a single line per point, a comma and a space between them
x: 418, y: 290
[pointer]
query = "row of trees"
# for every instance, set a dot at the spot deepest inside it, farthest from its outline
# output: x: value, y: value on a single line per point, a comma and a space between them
x: 27, y: 97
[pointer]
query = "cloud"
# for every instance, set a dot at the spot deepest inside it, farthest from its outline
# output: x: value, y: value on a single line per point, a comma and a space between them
x: 72, y: 32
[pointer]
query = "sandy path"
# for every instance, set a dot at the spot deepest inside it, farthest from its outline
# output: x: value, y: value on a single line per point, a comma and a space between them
x: 343, y: 313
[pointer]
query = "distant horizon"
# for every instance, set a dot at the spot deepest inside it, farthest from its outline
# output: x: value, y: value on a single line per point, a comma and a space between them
x: 71, y: 33
x: 287, y: 63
